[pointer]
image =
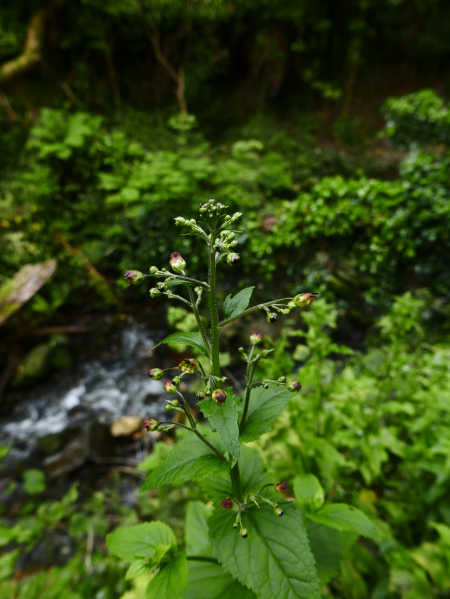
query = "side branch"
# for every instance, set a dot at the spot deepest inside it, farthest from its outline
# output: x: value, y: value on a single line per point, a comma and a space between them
x: 254, y: 309
x: 31, y: 53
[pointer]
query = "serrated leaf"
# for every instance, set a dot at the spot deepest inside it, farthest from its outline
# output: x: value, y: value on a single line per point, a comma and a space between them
x: 329, y: 546
x: 196, y: 528
x: 252, y: 472
x: 345, y: 517
x: 170, y: 581
x: 224, y: 420
x: 192, y: 339
x: 138, y: 568
x: 143, y: 541
x: 210, y: 581
x: 232, y: 306
x: 275, y: 561
x: 264, y: 408
x: 308, y: 492
x: 190, y: 459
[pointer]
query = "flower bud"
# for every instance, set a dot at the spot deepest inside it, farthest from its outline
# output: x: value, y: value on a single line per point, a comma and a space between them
x: 200, y: 396
x: 303, y: 300
x: 285, y: 311
x: 153, y: 270
x: 282, y: 379
x: 162, y: 286
x: 176, y: 380
x: 227, y: 503
x: 168, y: 407
x: 180, y: 220
x: 198, y: 289
x: 154, y: 292
x: 278, y: 511
x: 255, y: 338
x: 133, y: 277
x: 176, y: 262
x: 293, y: 386
x: 244, y: 533
x: 219, y: 396
x: 281, y: 487
x: 150, y: 425
x: 271, y: 317
x: 266, y: 386
x: 155, y: 373
x: 235, y: 524
x: 233, y: 259
x: 169, y: 387
x: 188, y: 365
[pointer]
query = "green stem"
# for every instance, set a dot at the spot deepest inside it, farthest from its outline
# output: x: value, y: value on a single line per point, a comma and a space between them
x: 236, y: 481
x: 198, y: 319
x: 182, y: 277
x: 213, y: 311
x: 248, y: 389
x: 250, y: 310
x: 175, y: 296
x: 187, y: 410
x: 201, y: 558
x: 200, y: 436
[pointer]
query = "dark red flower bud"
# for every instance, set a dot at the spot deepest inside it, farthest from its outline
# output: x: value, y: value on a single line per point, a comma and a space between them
x: 293, y: 386
x: 150, y: 425
x: 303, y: 300
x: 219, y: 396
x: 133, y: 277
x: 281, y: 487
x: 255, y: 338
x: 176, y: 262
x: 155, y: 373
x: 188, y: 365
x: 227, y: 503
x: 169, y: 386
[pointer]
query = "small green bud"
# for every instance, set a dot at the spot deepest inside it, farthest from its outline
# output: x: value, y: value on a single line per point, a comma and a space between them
x: 233, y: 259
x: 133, y: 277
x: 198, y: 289
x: 303, y: 300
x: 244, y: 533
x: 293, y: 386
x: 291, y: 305
x: 154, y: 292
x: 234, y: 243
x: 235, y: 524
x: 153, y: 270
x: 168, y: 407
x: 177, y: 263
x: 266, y: 386
x: 162, y: 286
x: 188, y: 365
x: 266, y: 352
x: 282, y: 379
x: 285, y: 311
x: 155, y: 373
x: 169, y: 386
x: 200, y: 395
x: 180, y: 220
x: 176, y: 380
x: 271, y: 317
x: 278, y: 511
x: 219, y: 396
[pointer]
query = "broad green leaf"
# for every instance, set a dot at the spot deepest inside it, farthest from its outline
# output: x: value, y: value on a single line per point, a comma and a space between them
x: 232, y: 306
x: 264, y: 408
x: 345, y: 518
x: 170, y: 581
x: 443, y: 530
x: 275, y: 561
x: 252, y: 472
x: 196, y: 528
x: 7, y: 563
x: 143, y: 541
x: 190, y: 459
x: 192, y: 339
x: 224, y: 420
x: 210, y: 581
x: 308, y: 492
x: 138, y: 568
x: 329, y: 547
x: 34, y: 481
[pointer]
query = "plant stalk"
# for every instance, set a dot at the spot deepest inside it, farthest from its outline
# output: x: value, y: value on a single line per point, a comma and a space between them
x: 213, y: 311
x: 250, y: 310
x: 198, y: 319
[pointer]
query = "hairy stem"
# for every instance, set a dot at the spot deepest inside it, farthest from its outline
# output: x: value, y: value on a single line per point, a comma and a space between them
x: 200, y: 436
x: 187, y: 410
x: 198, y: 319
x: 236, y: 482
x: 250, y: 310
x: 248, y: 389
x: 212, y: 302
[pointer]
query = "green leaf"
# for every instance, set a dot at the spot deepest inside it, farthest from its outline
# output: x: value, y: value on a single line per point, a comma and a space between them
x: 192, y: 339
x: 189, y: 459
x: 275, y: 561
x: 253, y: 477
x: 345, y: 518
x: 149, y: 540
x: 210, y: 581
x: 232, y: 306
x: 328, y: 546
x: 308, y: 492
x: 196, y: 528
x: 7, y: 563
x: 34, y: 481
x: 264, y: 408
x: 138, y: 568
x: 224, y: 419
x: 443, y: 530
x: 170, y: 581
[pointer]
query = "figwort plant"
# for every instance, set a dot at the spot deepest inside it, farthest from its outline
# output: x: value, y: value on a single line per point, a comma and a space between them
x: 254, y: 541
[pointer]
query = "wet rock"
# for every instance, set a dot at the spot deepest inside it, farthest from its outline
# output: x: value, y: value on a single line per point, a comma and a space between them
x: 51, y: 443
x: 126, y: 426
